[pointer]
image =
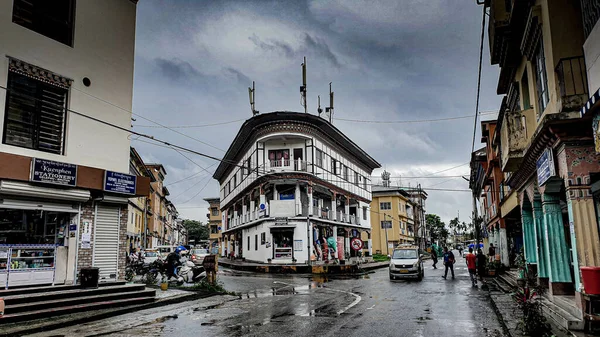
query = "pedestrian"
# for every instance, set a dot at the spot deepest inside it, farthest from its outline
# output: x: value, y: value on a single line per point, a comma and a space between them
x: 492, y: 253
x: 481, y: 261
x: 460, y: 251
x: 472, y: 266
x: 434, y: 258
x: 448, y: 262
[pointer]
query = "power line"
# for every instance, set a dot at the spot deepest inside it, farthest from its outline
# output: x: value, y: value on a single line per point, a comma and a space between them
x: 422, y: 177
x: 403, y: 121
x: 149, y: 120
x: 190, y: 126
x: 479, y: 78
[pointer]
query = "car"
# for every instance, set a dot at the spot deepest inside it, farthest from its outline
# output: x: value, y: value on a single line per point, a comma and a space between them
x: 163, y: 251
x: 150, y: 255
x: 198, y: 255
x: 406, y: 263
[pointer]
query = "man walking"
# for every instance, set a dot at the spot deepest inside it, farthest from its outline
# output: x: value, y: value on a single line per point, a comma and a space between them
x: 481, y: 262
x: 448, y: 262
x: 472, y: 266
x: 492, y: 253
x: 434, y: 257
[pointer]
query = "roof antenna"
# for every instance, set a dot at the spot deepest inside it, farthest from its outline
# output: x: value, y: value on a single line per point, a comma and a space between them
x: 330, y: 107
x: 319, y: 110
x: 303, y: 87
x: 252, y: 94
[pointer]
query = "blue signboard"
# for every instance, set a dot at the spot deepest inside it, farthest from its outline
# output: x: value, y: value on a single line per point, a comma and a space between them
x: 286, y: 196
x: 545, y: 166
x: 53, y: 172
x: 119, y: 182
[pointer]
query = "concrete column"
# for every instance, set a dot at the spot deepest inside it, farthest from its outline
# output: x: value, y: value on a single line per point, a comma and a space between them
x: 335, y: 239
x: 310, y: 200
x: 347, y: 209
x: 503, y: 247
x: 542, y: 245
x: 370, y: 243
x: 347, y: 244
x: 275, y: 194
x: 559, y: 268
x: 529, y: 240
x: 298, y: 200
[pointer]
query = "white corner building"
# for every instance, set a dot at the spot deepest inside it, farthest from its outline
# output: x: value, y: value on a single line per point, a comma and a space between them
x: 288, y: 182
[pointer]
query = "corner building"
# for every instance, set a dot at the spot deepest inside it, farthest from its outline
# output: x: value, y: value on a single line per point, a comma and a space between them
x: 288, y: 182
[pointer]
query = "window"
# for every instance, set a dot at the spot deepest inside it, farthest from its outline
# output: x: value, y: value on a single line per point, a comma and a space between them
x: 256, y: 242
x: 319, y: 158
x: 525, y: 91
x: 334, y: 166
x: 365, y: 183
x: 279, y: 157
x: 35, y: 114
x: 53, y: 19
x: 385, y: 205
x: 386, y: 224
x: 346, y: 173
x: 249, y: 166
x: 263, y: 238
x: 214, y: 211
x: 364, y: 213
x: 356, y: 178
x: 542, y: 79
x: 248, y: 242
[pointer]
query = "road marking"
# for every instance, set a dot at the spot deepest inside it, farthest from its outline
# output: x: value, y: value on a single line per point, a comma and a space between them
x: 373, y: 306
x: 341, y: 311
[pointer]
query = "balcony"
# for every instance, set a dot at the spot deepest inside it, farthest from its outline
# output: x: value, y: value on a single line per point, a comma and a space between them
x: 498, y: 30
x: 572, y: 81
x: 285, y: 165
x: 517, y: 126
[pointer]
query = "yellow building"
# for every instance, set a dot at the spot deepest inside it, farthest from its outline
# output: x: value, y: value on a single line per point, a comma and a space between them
x: 214, y: 223
x: 137, y: 207
x: 392, y: 221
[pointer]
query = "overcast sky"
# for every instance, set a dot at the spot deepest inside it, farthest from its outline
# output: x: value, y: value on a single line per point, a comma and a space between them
x: 388, y: 60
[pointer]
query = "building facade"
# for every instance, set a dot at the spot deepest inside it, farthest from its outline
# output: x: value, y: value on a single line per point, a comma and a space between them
x: 392, y: 219
x: 291, y: 186
x: 64, y: 182
x: 138, y: 208
x: 544, y: 134
x: 214, y: 223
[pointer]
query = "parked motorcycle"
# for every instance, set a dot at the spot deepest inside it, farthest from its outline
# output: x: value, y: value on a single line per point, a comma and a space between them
x: 189, y: 272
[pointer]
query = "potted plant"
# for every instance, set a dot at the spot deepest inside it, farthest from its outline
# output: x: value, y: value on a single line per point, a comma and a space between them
x: 491, y: 269
x: 521, y: 265
x: 164, y: 283
x: 528, y: 299
x: 268, y: 260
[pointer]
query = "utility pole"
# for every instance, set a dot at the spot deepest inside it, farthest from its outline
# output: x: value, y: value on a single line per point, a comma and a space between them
x: 303, y: 87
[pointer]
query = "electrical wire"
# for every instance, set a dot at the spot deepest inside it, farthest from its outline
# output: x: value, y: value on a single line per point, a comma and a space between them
x: 190, y: 126
x: 404, y: 121
x: 479, y: 78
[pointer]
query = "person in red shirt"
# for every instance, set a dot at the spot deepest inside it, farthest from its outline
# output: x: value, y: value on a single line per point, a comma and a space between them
x: 472, y: 266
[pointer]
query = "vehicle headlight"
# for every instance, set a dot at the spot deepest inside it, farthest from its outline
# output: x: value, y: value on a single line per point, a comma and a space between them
x: 416, y: 265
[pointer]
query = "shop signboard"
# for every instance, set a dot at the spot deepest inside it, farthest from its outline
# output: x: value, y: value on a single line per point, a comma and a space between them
x: 286, y: 196
x: 281, y: 221
x: 53, y: 172
x: 119, y: 182
x: 545, y: 167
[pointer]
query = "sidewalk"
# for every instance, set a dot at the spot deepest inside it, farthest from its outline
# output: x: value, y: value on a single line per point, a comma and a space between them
x: 300, y: 268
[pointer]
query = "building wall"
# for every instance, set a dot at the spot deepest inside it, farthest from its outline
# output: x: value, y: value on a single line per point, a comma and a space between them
x: 399, y: 232
x: 103, y: 51
x: 591, y: 49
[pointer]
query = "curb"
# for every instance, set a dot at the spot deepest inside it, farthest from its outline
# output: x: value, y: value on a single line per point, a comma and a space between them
x: 335, y: 269
x: 56, y: 322
x: 505, y: 328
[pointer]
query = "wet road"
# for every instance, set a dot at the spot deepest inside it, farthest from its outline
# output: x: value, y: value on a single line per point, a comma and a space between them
x: 280, y: 305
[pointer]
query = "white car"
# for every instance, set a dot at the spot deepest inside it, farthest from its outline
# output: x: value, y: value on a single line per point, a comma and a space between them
x: 150, y: 256
x: 198, y: 255
x: 406, y: 263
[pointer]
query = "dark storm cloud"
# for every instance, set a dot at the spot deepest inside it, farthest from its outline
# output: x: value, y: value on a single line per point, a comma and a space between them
x: 273, y: 46
x: 177, y: 70
x: 388, y: 60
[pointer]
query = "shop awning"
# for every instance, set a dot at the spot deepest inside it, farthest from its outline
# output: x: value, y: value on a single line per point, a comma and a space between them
x: 28, y: 190
x: 37, y: 205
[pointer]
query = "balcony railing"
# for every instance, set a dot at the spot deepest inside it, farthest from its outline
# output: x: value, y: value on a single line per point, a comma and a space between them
x: 572, y: 80
x: 281, y: 165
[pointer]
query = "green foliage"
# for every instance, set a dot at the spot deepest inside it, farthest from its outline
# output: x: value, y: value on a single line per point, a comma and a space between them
x: 196, y: 230
x: 528, y: 300
x: 437, y: 228
x: 129, y: 274
x: 205, y: 286
x: 380, y: 258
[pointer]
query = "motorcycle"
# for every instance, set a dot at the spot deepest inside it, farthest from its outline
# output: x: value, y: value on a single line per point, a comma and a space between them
x: 188, y: 272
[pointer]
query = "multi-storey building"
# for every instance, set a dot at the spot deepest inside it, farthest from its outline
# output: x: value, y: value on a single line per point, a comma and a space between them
x: 418, y: 196
x: 214, y: 223
x: 64, y: 182
x: 156, y: 223
x: 392, y: 218
x: 288, y: 182
x: 138, y: 212
x: 546, y: 148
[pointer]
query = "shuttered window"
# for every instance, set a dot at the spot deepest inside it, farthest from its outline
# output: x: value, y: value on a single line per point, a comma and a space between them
x: 53, y: 19
x: 35, y: 114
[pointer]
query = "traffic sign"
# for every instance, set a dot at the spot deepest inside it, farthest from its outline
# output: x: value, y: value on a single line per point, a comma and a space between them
x: 356, y: 244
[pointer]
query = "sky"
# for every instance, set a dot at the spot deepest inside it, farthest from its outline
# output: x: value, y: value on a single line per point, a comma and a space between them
x: 388, y: 61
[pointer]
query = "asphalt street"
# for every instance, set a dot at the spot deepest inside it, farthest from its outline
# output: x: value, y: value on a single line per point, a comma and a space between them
x: 283, y: 305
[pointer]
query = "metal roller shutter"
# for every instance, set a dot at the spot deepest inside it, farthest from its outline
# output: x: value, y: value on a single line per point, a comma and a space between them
x: 106, y: 241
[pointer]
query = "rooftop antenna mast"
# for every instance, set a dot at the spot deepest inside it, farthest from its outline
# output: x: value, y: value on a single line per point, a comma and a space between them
x: 319, y: 110
x: 252, y: 94
x: 303, y: 87
x: 330, y: 107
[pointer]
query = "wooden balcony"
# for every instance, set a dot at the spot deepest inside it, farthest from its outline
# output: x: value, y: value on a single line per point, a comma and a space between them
x: 517, y: 127
x: 572, y: 81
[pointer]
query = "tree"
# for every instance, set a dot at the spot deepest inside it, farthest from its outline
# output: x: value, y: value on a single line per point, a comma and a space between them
x: 437, y: 228
x: 196, y: 230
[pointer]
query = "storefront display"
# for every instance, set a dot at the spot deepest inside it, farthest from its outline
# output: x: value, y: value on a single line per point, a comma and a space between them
x: 282, y: 243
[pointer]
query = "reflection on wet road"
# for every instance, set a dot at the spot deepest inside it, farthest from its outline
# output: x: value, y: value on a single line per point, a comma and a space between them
x: 279, y: 305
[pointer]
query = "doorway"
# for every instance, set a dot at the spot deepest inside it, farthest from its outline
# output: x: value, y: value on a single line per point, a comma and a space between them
x: 298, y: 160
